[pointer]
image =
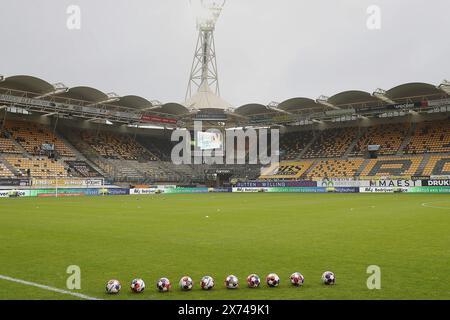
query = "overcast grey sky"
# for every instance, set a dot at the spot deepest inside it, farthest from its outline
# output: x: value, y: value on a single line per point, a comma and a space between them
x: 268, y: 50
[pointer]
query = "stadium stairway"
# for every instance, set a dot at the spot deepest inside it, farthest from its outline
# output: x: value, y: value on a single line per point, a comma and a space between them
x: 362, y: 167
x: 423, y: 164
x: 19, y: 147
x: 8, y: 165
x: 311, y: 168
x: 106, y: 169
x: 78, y: 154
x: 407, y: 139
x: 355, y: 141
x: 303, y: 152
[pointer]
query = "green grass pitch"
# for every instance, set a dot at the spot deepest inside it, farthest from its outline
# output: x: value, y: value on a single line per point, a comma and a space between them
x: 407, y: 236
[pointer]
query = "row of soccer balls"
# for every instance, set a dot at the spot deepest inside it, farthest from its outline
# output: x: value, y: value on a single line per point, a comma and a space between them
x: 207, y: 282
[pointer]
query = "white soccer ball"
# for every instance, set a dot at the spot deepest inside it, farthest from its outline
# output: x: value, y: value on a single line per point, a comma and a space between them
x: 232, y: 282
x: 207, y: 283
x: 163, y: 285
x: 113, y: 287
x: 273, y: 280
x: 253, y: 281
x: 137, y: 285
x: 297, y: 279
x: 328, y: 278
x: 186, y: 283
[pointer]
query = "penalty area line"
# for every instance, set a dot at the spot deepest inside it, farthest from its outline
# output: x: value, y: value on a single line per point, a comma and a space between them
x: 48, y: 288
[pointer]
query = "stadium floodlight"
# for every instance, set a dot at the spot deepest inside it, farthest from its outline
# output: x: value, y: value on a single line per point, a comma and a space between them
x: 381, y: 94
x: 445, y: 86
x: 204, y: 65
x: 324, y: 100
x: 207, y: 12
x: 58, y: 88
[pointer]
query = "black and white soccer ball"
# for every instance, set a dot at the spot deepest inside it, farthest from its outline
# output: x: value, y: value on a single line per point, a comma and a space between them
x: 207, y: 283
x: 163, y: 285
x: 113, y: 287
x: 137, y: 286
x: 328, y: 278
x: 273, y: 280
x: 297, y: 279
x: 186, y: 283
x: 232, y: 282
x: 253, y: 281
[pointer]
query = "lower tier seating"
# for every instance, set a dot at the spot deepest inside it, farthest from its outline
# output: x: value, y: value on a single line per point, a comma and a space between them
x: 39, y: 167
x: 5, y: 172
x: 83, y: 169
x: 286, y: 170
x: 437, y: 166
x: 336, y: 168
x: 395, y: 166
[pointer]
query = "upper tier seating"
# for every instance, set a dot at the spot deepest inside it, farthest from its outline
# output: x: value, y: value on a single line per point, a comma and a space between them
x: 395, y: 166
x: 8, y: 146
x: 115, y: 146
x: 332, y: 143
x: 294, y: 143
x: 388, y: 137
x: 39, y: 167
x: 430, y: 137
x: 31, y: 136
x: 336, y: 168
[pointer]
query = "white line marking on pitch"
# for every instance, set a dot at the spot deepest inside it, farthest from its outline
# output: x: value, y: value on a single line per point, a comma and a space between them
x: 41, y: 286
x: 430, y: 205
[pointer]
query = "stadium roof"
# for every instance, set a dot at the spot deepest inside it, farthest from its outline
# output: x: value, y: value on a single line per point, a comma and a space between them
x: 205, y: 99
x: 28, y: 84
x: 353, y: 97
x: 135, y: 102
x: 173, y: 108
x: 416, y: 89
x: 301, y: 104
x: 252, y: 109
x: 87, y: 94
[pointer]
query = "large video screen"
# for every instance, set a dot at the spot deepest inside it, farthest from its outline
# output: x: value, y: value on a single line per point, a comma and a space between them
x: 209, y: 140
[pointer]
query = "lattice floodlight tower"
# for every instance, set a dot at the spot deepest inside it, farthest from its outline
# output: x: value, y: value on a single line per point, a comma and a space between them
x: 204, y: 65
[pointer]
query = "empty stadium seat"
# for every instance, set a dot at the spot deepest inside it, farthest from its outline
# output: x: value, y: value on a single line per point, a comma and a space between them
x: 8, y: 146
x: 31, y: 136
x: 292, y: 144
x: 389, y: 137
x: 332, y: 143
x: 115, y: 146
x: 392, y: 166
x: 39, y: 167
x: 430, y: 137
x: 437, y: 165
x: 5, y: 172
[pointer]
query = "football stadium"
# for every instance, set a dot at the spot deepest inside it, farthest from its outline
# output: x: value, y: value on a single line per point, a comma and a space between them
x: 356, y: 204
